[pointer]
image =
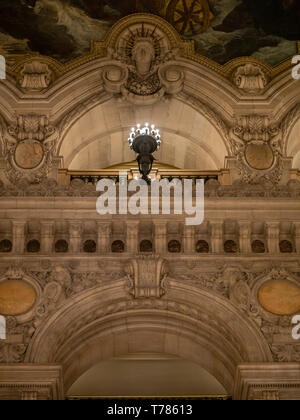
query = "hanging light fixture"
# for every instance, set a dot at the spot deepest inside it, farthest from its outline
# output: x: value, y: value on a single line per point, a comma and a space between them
x: 145, y: 141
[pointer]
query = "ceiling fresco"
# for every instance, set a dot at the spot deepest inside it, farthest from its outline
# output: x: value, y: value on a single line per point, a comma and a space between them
x: 222, y: 29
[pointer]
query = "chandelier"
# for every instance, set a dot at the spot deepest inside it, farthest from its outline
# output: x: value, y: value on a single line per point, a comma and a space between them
x: 145, y: 141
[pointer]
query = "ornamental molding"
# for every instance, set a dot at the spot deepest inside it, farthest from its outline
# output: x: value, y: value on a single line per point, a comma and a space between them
x: 147, y: 277
x: 260, y: 187
x: 221, y: 125
x: 123, y: 308
x: 17, y: 64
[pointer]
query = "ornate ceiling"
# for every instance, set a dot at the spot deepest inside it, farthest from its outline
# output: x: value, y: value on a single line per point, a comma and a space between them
x: 222, y: 29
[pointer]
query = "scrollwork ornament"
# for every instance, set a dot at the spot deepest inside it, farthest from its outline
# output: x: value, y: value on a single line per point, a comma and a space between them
x: 29, y: 148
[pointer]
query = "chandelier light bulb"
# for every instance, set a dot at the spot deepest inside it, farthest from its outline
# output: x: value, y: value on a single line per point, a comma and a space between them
x: 145, y: 130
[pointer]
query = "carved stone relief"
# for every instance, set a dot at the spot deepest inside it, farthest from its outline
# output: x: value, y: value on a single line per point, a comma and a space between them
x: 250, y: 78
x: 242, y: 287
x: 146, y: 276
x: 141, y: 69
x: 29, y: 148
x: 53, y: 286
x: 256, y: 143
x: 35, y: 76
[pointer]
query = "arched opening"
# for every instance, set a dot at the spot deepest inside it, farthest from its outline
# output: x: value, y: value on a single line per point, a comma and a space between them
x: 5, y: 246
x: 33, y: 246
x: 99, y: 138
x: 286, y: 247
x: 174, y: 247
x: 146, y: 246
x: 258, y: 247
x: 104, y: 324
x: 118, y: 247
x: 61, y: 246
x: 89, y: 247
x: 146, y: 375
x: 231, y: 247
x: 202, y: 247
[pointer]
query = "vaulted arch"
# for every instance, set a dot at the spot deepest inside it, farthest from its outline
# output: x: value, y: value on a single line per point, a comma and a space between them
x: 99, y: 138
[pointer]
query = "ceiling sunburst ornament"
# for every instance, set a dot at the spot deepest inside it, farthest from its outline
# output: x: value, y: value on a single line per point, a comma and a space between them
x: 189, y: 16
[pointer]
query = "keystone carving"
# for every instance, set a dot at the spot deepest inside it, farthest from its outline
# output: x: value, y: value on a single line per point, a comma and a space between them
x: 147, y: 276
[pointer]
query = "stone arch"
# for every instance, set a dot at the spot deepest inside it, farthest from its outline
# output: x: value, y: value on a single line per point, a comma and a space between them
x: 291, y: 127
x: 103, y: 130
x: 103, y: 323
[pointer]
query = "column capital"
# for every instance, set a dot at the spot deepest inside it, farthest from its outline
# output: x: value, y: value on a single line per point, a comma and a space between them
x: 104, y: 228
x: 75, y: 227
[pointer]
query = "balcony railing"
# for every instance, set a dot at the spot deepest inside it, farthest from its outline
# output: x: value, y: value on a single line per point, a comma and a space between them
x: 92, y: 177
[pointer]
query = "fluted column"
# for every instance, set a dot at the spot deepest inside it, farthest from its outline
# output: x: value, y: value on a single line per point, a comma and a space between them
x: 104, y: 237
x: 189, y: 239
x: 245, y: 236
x: 272, y: 232
x: 297, y: 236
x: 217, y: 236
x: 18, y: 229
x: 132, y: 236
x: 47, y: 236
x: 160, y: 236
x: 75, y: 230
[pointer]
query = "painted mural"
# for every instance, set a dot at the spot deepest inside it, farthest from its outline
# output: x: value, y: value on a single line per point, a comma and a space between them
x: 222, y: 29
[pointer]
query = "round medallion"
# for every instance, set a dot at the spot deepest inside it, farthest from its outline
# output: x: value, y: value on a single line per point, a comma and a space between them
x: 280, y: 297
x: 29, y: 154
x: 16, y: 297
x: 259, y: 156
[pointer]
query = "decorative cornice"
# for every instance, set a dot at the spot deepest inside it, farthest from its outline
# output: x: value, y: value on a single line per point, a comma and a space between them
x: 77, y: 188
x: 99, y: 49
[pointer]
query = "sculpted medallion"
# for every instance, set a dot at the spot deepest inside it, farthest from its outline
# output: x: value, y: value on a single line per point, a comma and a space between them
x: 29, y: 154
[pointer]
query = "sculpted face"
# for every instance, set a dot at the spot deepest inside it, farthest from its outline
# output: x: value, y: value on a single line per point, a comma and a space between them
x: 143, y: 55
